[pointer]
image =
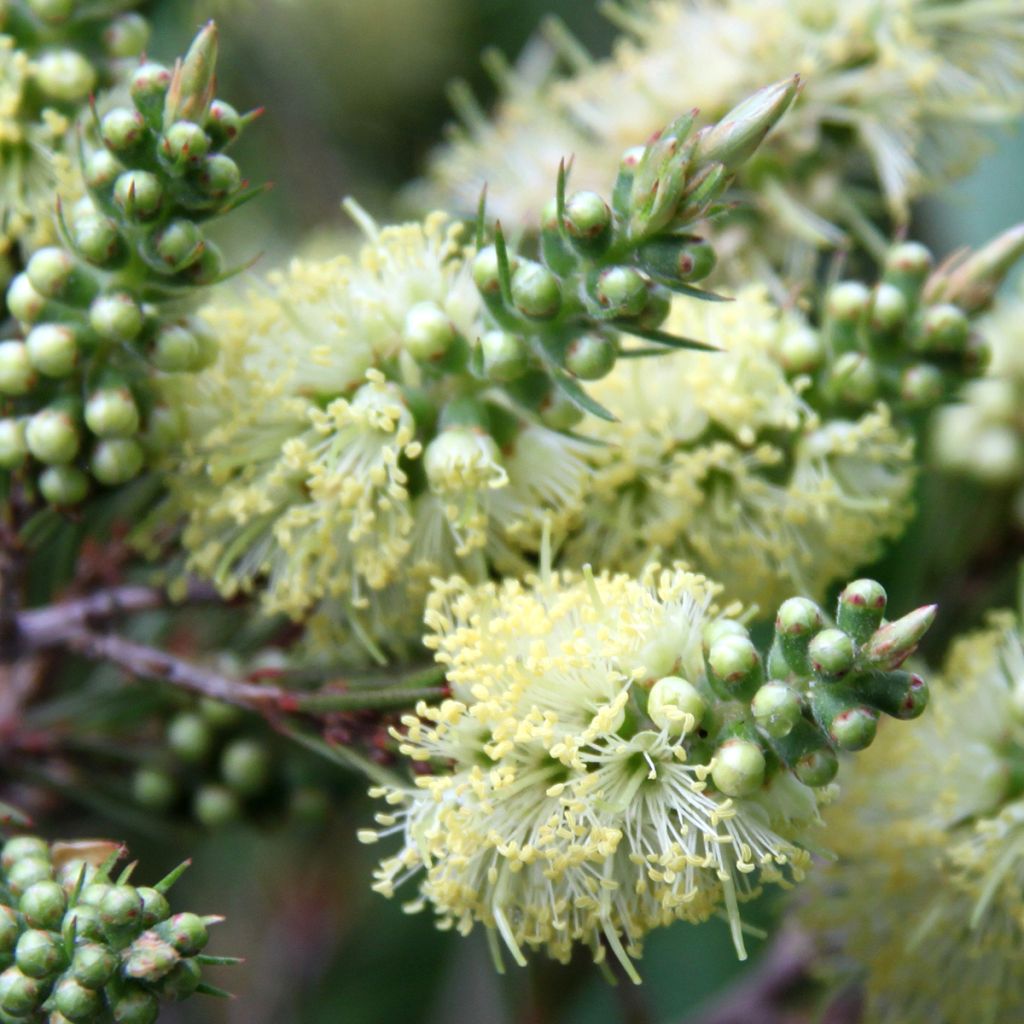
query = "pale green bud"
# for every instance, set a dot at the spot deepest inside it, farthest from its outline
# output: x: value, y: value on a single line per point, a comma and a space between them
x: 43, y: 905
x: 154, y: 789
x: 20, y: 995
x: 817, y: 768
x: 24, y: 848
x: 801, y: 351
x: 52, y: 436
x: 178, y: 245
x: 622, y: 290
x: 854, y: 728
x: 854, y: 379
x: 427, y: 332
x: 675, y: 705
x: 112, y: 412
x: 831, y: 654
x: 23, y: 301
x: 847, y: 301
x: 78, y: 1004
x: 245, y: 766
x: 192, y: 89
x: 223, y: 124
x: 719, y: 629
x: 116, y: 317
x: 894, y: 642
x: 973, y: 283
x: 102, y: 170
x: 888, y: 311
x: 63, y: 485
x: 505, y: 356
x: 535, y: 291
x: 587, y: 217
x: 218, y: 177
x: 184, y: 144
x: 485, y: 270
x: 139, y: 194
x: 65, y: 76
x: 148, y: 88
x: 117, y: 460
x: 50, y: 271
x: 126, y: 36
x: 657, y: 307
x: 861, y: 608
x: 738, y: 768
x: 53, y: 12
x: 98, y: 240
x: 93, y: 965
x: 922, y: 386
x: 135, y: 1005
x: 13, y: 446
x: 591, y: 356
x: 122, y: 129
x: 944, y: 328
x: 176, y: 349
x: 559, y: 412
x: 776, y: 709
x: 189, y: 737
x: 39, y: 954
x: 734, y: 663
x: 907, y: 265
x: 214, y: 806
x: 121, y: 906
x: 16, y: 373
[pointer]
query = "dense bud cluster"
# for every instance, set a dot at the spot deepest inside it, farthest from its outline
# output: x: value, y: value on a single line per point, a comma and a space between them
x: 78, y: 403
x: 81, y: 946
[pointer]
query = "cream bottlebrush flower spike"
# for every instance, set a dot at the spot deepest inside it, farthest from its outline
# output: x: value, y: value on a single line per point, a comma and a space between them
x: 53, y: 58
x: 926, y: 901
x: 616, y: 755
x: 895, y: 87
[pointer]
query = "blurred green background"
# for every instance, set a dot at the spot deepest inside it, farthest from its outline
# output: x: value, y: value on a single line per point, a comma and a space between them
x: 355, y: 92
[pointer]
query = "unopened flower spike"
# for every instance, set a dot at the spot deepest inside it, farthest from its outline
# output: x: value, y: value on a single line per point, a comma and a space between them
x: 943, y: 799
x: 79, y: 946
x: 105, y: 314
x: 616, y: 755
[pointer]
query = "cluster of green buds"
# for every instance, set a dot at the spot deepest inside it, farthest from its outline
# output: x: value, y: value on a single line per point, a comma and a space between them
x: 821, y: 689
x: 218, y: 766
x: 607, y: 268
x: 909, y: 340
x: 102, y: 314
x: 81, y: 946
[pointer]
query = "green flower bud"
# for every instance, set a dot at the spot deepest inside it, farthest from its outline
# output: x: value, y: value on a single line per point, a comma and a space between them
x: 245, y: 766
x: 112, y: 412
x: 906, y: 266
x: 148, y: 88
x: 922, y: 386
x: 181, y: 981
x: 218, y: 177
x: 51, y: 271
x: 10, y: 929
x: 854, y: 729
x: 485, y: 270
x: 977, y: 355
x: 149, y: 958
x: 558, y: 411
x: 117, y: 460
x: 622, y: 291
x: 903, y: 695
x: 39, y: 954
x: 43, y: 905
x: 176, y: 349
x: 79, y: 1004
x: 674, y: 259
x: 20, y: 995
x: 861, y: 608
x: 122, y: 129
x: 719, y: 629
x: 52, y: 349
x: 972, y: 283
x: 139, y: 194
x: 214, y: 806
x: 121, y: 907
x: 16, y: 373
x: 23, y: 301
x: 13, y: 446
x: 98, y: 241
x: 738, y: 768
x: 847, y: 302
x: 52, y: 436
x: 735, y: 666
x: 854, y: 379
x: 63, y: 486
x: 154, y: 789
x: 309, y: 805
x: 53, y: 12
x: 155, y: 907
x: 944, y: 329
x: 427, y: 332
x: 93, y: 965
x: 126, y: 36
x: 223, y: 124
x: 208, y: 269
x: 101, y: 170
x: 801, y: 351
x: 776, y: 708
x: 189, y: 737
x: 134, y: 1005
x: 116, y: 317
x: 24, y: 848
x: 675, y: 705
x: 817, y: 768
x: 164, y: 429
x: 738, y: 134
x: 184, y: 144
x: 587, y: 219
x: 591, y: 356
x: 831, y: 654
x: 535, y: 291
x: 657, y: 307
x: 894, y: 642
x: 889, y: 310
x: 176, y: 246
x: 64, y: 76
x: 92, y: 895
x: 186, y: 932
x: 505, y: 356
